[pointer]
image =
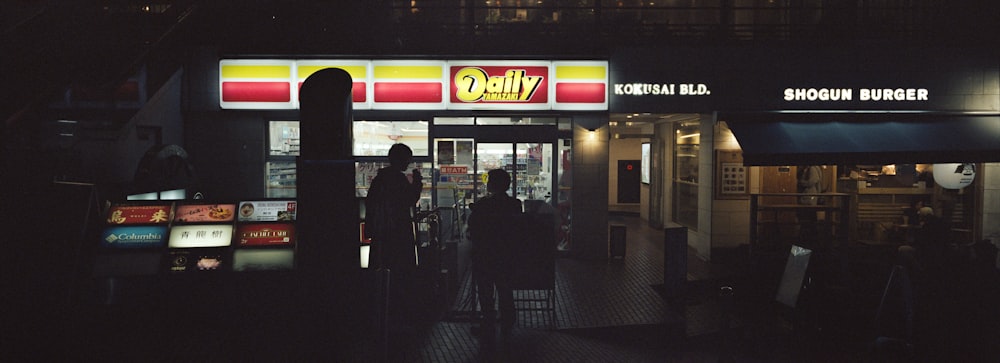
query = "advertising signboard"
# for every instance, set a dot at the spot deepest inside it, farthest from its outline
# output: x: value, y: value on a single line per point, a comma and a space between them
x: 139, y: 214
x: 134, y: 237
x: 265, y: 234
x: 201, y: 235
x: 423, y: 84
x: 266, y: 211
x: 205, y: 213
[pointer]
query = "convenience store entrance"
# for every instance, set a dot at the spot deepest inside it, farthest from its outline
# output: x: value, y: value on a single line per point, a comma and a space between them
x: 537, y: 157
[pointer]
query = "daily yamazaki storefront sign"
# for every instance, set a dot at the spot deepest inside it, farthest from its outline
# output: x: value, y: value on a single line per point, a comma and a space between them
x: 423, y: 84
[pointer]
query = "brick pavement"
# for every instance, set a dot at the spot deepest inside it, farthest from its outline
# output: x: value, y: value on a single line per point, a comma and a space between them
x: 605, y: 311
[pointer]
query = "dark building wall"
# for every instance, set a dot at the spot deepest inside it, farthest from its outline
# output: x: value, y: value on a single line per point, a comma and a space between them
x: 226, y: 148
x: 227, y: 151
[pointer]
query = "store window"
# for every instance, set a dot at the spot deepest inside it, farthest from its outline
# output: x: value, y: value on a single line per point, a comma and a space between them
x: 283, y: 138
x: 564, y: 201
x: 364, y: 172
x: 371, y: 138
x: 685, y: 175
x: 516, y: 121
x: 454, y: 120
x: 283, y: 147
x: 454, y: 172
x: 374, y: 138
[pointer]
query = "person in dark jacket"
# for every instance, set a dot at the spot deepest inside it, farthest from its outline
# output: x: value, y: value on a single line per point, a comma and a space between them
x: 493, y: 231
x: 389, y: 219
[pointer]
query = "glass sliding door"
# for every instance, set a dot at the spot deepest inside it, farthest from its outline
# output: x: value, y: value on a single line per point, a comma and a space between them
x: 491, y: 156
x: 534, y: 150
x: 535, y: 179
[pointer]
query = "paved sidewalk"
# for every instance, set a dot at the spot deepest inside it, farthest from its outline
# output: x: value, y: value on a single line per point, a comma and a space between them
x: 606, y: 311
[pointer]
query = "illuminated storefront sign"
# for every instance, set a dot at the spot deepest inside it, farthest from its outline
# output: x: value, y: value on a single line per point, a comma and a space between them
x: 204, y: 235
x: 863, y: 94
x: 256, y: 84
x: 661, y: 89
x: 139, y: 214
x: 423, y: 84
x: 408, y: 85
x: 205, y: 213
x: 277, y: 210
x: 134, y: 237
x: 487, y: 85
x: 266, y: 234
x: 359, y: 71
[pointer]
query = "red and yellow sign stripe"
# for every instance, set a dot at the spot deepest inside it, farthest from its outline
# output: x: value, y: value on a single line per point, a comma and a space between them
x: 358, y: 70
x: 408, y: 84
x: 264, y: 83
x: 581, y: 85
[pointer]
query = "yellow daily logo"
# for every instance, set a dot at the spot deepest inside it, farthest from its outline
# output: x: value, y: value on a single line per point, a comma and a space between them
x: 474, y: 84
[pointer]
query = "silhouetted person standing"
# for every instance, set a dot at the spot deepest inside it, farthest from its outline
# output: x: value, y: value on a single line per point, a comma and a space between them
x: 391, y: 199
x: 493, y: 231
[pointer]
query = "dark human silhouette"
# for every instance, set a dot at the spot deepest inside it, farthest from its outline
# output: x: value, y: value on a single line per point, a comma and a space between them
x: 494, y: 231
x: 390, y: 203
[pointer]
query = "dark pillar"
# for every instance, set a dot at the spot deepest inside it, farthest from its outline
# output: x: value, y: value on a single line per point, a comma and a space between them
x: 675, y: 260
x: 328, y: 216
x: 326, y: 115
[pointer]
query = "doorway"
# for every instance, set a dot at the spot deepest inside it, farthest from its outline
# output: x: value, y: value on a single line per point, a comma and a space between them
x: 536, y: 154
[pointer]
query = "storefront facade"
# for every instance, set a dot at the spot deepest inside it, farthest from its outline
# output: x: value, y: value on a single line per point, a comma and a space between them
x: 461, y: 118
x: 749, y: 116
x: 753, y: 111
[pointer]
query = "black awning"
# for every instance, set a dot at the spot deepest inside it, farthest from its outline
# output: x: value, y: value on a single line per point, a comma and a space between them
x: 815, y: 138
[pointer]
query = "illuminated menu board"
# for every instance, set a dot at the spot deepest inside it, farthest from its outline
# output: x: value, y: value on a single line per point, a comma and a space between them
x: 266, y: 211
x: 148, y: 237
